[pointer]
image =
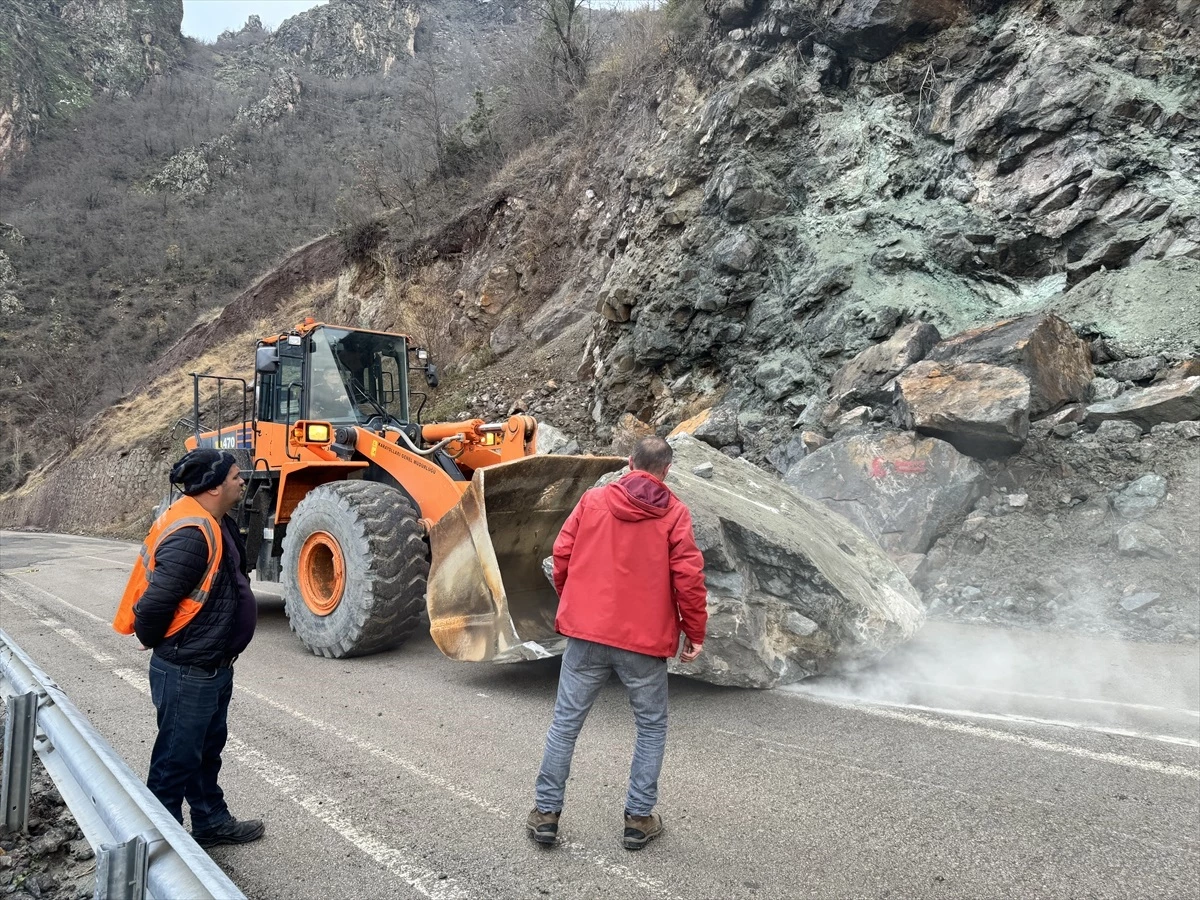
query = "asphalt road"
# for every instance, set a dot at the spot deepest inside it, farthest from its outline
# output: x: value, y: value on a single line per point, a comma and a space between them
x: 982, y: 764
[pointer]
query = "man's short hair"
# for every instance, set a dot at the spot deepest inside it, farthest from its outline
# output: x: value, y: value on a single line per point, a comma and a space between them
x: 652, y: 454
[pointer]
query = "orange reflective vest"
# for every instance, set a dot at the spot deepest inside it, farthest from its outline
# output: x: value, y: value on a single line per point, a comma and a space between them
x: 185, y: 512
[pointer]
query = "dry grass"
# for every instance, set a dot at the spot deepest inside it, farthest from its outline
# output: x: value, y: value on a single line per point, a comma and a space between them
x: 151, y: 415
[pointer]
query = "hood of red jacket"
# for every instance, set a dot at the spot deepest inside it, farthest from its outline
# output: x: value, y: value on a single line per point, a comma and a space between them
x: 638, y: 496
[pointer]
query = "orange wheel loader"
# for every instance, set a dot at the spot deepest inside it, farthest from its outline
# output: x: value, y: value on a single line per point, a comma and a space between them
x: 367, y: 517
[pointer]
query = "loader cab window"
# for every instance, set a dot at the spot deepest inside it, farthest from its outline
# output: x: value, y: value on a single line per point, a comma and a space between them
x: 357, y: 375
x: 280, y: 394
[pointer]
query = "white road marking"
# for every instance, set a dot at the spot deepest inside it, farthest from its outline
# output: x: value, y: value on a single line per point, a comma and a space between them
x: 1037, y: 720
x: 1119, y: 759
x: 325, y: 808
x: 1143, y: 706
x: 67, y: 603
x: 812, y: 754
x: 609, y: 867
x: 599, y: 860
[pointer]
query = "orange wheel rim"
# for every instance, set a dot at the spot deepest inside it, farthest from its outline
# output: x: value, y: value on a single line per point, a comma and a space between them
x: 322, y: 573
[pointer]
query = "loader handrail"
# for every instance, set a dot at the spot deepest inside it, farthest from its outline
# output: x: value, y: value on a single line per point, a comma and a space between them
x: 110, y: 803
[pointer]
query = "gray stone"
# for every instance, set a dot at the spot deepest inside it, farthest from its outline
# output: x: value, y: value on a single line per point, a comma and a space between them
x: 1065, y: 430
x: 552, y: 440
x: 1137, y: 601
x: 981, y: 409
x: 1142, y: 496
x: 720, y: 428
x: 776, y: 561
x: 704, y: 470
x: 1142, y: 369
x: 865, y: 378
x: 871, y: 29
x: 1116, y: 431
x: 1104, y: 389
x: 1176, y: 401
x: 903, y: 490
x: 736, y: 252
x: 1140, y: 539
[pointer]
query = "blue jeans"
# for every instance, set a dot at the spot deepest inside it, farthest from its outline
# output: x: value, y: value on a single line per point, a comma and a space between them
x: 586, y: 667
x: 192, y: 705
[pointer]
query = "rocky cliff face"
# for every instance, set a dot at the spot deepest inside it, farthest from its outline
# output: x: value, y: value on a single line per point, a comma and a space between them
x: 841, y: 175
x: 54, y: 55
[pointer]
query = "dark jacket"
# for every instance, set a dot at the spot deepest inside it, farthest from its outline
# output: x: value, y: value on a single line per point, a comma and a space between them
x: 180, y: 562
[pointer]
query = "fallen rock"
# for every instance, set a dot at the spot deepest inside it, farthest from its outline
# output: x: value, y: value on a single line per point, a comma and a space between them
x: 903, y: 490
x: 1140, y: 539
x: 719, y: 428
x: 1057, y: 363
x: 1102, y: 389
x: 552, y: 440
x: 1137, y: 601
x: 981, y: 409
x: 1142, y: 496
x: 865, y: 378
x: 793, y: 589
x: 1142, y: 369
x: 1172, y: 401
x: 1118, y: 431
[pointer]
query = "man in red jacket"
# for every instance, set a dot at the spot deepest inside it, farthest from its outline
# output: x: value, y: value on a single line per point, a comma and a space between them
x: 628, y: 575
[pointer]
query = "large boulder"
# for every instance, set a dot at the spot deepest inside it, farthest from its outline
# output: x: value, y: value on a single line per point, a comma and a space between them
x: 1170, y: 401
x: 793, y: 588
x: 865, y: 379
x: 1057, y: 363
x: 982, y: 410
x: 903, y: 490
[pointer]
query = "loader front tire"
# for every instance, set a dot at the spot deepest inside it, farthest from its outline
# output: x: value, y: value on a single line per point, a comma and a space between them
x: 355, y: 566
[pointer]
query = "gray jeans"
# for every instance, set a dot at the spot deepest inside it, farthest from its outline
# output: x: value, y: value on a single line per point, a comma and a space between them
x: 586, y: 668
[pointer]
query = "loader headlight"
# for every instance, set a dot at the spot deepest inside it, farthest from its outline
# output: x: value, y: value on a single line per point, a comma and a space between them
x: 316, y: 433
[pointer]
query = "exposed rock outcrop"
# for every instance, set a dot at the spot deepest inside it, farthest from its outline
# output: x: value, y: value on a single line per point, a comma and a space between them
x: 54, y: 56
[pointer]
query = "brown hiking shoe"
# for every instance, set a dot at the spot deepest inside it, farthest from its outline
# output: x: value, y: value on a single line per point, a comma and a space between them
x: 641, y: 830
x: 543, y: 826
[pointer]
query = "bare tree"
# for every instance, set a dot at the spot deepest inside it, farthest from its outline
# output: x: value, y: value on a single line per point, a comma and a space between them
x: 570, y: 39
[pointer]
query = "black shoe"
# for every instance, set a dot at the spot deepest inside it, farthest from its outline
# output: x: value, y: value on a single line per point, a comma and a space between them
x: 231, y: 831
x: 543, y: 826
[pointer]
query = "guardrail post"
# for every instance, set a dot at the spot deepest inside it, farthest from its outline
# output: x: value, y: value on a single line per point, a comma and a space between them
x: 18, y: 760
x: 121, y: 870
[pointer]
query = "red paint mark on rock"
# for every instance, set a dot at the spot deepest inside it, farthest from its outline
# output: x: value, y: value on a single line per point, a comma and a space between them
x: 882, y: 468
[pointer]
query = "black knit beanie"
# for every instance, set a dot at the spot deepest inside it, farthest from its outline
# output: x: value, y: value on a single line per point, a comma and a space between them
x: 201, y: 470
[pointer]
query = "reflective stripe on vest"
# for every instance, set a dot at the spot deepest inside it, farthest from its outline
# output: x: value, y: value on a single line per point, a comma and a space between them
x: 185, y: 512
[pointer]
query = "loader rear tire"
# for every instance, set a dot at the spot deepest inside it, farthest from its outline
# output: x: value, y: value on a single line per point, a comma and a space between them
x: 355, y: 566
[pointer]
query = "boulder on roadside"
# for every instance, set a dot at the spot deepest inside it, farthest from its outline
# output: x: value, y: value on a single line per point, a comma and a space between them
x: 865, y: 378
x: 1169, y: 401
x: 903, y: 490
x: 793, y: 589
x: 1045, y: 349
x: 981, y: 409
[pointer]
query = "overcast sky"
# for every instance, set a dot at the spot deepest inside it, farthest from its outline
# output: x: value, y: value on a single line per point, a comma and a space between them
x: 205, y: 19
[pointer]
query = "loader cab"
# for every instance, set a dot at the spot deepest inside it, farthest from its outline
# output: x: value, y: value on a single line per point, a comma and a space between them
x: 336, y: 375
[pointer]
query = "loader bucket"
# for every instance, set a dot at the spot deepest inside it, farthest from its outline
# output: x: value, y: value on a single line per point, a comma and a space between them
x: 489, y: 597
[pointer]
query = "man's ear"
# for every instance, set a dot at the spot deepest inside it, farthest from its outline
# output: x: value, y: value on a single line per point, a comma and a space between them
x: 631, y: 465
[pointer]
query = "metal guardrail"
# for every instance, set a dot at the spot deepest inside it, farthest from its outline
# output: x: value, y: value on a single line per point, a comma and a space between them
x: 140, y: 849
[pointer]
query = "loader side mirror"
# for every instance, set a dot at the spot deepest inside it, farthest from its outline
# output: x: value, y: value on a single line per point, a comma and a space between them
x: 431, y: 375
x: 266, y: 359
